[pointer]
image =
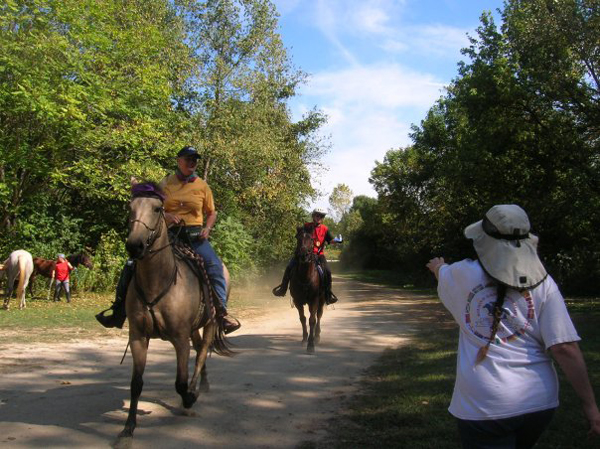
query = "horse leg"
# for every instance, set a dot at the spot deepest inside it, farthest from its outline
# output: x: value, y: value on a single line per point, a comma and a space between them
x: 303, y: 322
x: 312, y: 320
x: 30, y: 286
x: 10, y: 286
x: 201, y: 346
x: 139, y: 351
x: 182, y: 348
x: 318, y: 327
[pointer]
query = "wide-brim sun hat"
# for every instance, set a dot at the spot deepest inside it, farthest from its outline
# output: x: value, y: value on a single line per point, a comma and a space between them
x: 506, y: 248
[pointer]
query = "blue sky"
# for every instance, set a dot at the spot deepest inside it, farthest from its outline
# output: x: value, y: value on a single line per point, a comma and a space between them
x: 376, y: 67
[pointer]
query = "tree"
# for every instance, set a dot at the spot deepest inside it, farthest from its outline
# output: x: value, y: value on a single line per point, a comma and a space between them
x: 516, y: 126
x: 256, y: 158
x: 85, y: 102
x: 340, y: 200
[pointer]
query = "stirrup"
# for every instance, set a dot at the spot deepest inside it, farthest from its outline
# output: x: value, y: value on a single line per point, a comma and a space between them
x: 230, y: 326
x: 331, y: 299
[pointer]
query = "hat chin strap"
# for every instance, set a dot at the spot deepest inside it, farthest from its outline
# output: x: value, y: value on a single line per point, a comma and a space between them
x: 493, y: 232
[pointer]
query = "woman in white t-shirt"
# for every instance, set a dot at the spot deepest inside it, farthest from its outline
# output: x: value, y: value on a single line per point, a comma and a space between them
x: 510, y: 312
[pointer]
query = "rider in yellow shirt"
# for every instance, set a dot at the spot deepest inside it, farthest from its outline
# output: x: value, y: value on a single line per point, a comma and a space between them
x: 188, y: 199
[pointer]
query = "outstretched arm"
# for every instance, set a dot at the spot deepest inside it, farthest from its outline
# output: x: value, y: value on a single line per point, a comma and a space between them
x: 435, y: 264
x: 570, y: 359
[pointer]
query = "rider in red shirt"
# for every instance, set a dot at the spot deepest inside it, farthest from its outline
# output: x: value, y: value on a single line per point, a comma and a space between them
x: 321, y: 235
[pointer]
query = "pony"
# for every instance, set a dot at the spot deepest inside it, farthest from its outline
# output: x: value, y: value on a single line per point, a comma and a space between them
x: 165, y: 299
x: 19, y: 264
x: 306, y: 288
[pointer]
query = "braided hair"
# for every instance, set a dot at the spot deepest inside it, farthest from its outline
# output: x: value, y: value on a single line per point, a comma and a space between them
x: 500, y: 295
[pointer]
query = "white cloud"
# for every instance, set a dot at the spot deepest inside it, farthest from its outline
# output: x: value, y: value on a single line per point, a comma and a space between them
x: 382, y: 85
x: 440, y: 39
x: 370, y: 111
x: 370, y: 18
x: 428, y: 40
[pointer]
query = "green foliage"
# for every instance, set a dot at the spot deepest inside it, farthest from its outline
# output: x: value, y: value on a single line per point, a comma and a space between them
x: 109, y: 259
x: 93, y: 92
x: 254, y: 157
x: 516, y: 126
x: 236, y: 247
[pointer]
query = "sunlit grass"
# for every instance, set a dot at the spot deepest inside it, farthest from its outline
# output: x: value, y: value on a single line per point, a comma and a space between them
x: 404, y: 397
x: 45, y: 320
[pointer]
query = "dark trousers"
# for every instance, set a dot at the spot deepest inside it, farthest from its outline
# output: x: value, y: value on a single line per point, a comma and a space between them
x: 517, y: 432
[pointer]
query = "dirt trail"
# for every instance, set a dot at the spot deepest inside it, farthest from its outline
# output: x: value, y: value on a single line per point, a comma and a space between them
x: 270, y: 395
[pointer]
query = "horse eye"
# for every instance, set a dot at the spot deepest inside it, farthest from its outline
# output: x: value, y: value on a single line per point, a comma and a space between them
x: 157, y: 209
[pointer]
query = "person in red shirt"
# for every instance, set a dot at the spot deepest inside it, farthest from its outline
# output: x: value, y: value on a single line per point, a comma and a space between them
x: 321, y: 235
x: 61, y: 274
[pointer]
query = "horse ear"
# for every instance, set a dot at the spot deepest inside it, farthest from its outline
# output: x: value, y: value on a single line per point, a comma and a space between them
x: 133, y: 181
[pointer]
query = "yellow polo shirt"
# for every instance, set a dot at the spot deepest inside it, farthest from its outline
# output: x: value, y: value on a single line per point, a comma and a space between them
x: 190, y: 200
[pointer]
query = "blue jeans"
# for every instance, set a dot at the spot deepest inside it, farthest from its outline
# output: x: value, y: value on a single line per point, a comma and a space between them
x: 58, y: 288
x: 214, y: 269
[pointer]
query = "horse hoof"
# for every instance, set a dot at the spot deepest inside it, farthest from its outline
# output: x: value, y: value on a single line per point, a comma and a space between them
x: 188, y: 412
x: 123, y: 441
x: 189, y: 400
x: 310, y: 349
x: 204, y: 388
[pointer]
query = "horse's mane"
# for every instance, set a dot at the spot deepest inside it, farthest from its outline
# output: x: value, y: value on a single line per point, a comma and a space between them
x: 147, y: 189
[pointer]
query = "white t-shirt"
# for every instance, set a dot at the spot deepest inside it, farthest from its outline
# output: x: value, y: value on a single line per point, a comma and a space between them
x: 517, y: 376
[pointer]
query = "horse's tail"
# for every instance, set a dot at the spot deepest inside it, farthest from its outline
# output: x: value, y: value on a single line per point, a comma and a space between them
x: 221, y: 345
x: 22, y: 273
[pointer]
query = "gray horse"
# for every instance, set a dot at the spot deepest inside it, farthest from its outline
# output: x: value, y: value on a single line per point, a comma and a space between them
x: 165, y: 300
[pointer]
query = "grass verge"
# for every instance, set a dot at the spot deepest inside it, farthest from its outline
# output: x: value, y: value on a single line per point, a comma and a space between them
x: 47, y: 321
x: 404, y: 397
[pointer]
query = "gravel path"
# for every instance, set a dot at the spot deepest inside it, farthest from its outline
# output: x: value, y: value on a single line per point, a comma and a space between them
x: 270, y: 395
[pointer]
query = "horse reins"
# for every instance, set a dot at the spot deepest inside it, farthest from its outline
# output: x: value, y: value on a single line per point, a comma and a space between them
x: 155, y: 232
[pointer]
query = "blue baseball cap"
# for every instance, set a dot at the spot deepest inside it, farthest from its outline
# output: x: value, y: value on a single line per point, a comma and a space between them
x: 188, y: 151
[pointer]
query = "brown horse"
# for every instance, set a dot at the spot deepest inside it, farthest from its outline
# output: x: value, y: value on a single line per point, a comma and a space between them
x: 165, y: 300
x: 306, y: 289
x: 46, y: 267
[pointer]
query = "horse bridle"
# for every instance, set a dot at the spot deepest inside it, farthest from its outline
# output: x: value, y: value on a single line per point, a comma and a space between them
x: 154, y: 231
x: 310, y: 256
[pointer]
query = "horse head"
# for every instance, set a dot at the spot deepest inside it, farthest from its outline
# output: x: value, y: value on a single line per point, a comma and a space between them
x: 304, y: 244
x: 146, y: 218
x: 82, y: 258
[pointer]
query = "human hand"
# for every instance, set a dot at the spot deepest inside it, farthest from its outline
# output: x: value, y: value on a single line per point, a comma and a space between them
x: 172, y: 218
x: 205, y: 233
x: 594, y: 424
x: 435, y: 264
